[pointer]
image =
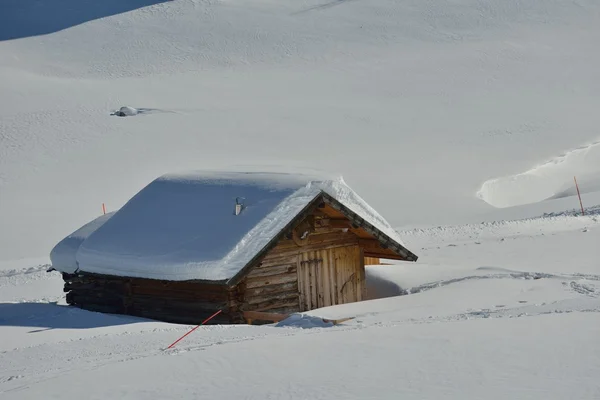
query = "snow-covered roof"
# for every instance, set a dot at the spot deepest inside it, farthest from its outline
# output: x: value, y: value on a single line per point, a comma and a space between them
x: 183, y: 226
x: 64, y: 253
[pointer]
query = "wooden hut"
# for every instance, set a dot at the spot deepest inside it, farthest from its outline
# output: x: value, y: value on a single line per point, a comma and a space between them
x: 283, y: 248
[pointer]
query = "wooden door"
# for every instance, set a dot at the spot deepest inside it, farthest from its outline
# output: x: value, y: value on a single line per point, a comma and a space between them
x: 330, y: 276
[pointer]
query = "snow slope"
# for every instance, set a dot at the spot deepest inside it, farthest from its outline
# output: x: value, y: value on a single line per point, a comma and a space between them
x: 441, y: 96
x: 436, y: 112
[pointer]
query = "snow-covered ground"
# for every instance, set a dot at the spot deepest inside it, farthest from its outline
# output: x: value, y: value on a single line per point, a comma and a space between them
x: 462, y: 122
x: 507, y: 310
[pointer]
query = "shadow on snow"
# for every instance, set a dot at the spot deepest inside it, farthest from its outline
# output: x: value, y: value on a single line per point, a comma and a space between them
x: 25, y: 18
x: 53, y: 316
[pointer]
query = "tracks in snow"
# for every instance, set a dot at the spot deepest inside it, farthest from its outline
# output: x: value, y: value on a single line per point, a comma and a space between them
x: 24, y: 271
x: 584, y: 289
x: 21, y: 285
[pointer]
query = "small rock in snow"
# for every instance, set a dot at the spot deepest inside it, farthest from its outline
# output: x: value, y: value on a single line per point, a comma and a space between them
x: 126, y: 111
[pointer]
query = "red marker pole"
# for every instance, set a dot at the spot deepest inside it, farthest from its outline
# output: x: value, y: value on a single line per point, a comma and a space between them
x: 103, y: 208
x: 203, y: 322
x: 579, y: 195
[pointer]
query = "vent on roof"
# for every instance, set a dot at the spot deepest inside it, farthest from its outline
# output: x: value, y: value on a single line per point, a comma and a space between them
x: 239, y: 205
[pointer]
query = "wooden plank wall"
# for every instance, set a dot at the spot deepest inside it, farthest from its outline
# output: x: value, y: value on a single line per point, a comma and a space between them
x: 349, y: 265
x: 330, y: 276
x: 372, y: 261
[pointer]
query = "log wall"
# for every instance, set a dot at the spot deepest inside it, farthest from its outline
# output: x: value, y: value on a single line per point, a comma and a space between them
x: 178, y: 302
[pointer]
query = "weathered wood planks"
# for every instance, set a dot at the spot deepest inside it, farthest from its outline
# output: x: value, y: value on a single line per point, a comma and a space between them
x: 330, y: 276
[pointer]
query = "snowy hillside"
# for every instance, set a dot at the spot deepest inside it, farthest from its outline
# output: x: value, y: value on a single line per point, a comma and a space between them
x: 462, y: 122
x: 418, y: 104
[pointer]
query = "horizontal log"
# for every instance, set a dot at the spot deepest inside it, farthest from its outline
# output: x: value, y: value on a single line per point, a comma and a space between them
x: 271, y: 289
x: 273, y: 304
x: 283, y: 296
x: 97, y: 294
x: 83, y: 300
x: 330, y: 245
x: 176, y: 285
x: 317, y: 240
x: 273, y: 259
x: 179, y: 286
x: 182, y: 295
x: 96, y: 288
x: 274, y: 270
x: 177, y: 303
x: 91, y: 279
x: 270, y: 280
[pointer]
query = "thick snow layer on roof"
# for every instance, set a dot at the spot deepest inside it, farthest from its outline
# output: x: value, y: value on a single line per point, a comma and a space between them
x: 63, y: 255
x: 183, y: 226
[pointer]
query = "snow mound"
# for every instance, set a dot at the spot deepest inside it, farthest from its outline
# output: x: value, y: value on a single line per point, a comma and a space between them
x: 382, y: 281
x: 126, y: 112
x: 185, y: 226
x: 304, y: 321
x: 551, y: 180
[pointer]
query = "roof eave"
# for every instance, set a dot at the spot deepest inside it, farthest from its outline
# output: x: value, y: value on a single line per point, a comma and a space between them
x: 357, y: 221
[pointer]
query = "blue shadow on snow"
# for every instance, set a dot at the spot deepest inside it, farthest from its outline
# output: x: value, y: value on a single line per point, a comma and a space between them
x: 25, y: 18
x: 54, y: 316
